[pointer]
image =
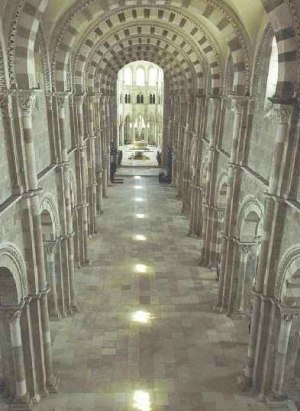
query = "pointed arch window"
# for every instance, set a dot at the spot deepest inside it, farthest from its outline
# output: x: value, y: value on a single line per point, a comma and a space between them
x: 273, y: 72
x: 140, y: 77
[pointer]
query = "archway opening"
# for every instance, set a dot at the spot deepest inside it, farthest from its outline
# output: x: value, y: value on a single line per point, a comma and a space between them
x: 140, y: 96
x: 8, y: 298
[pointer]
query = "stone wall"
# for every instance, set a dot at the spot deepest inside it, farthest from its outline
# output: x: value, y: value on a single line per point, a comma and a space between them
x: 41, y: 137
x: 5, y: 183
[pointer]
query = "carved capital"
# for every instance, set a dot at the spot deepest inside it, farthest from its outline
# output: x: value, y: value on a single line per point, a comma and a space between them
x: 79, y: 100
x: 50, y: 246
x: 11, y: 314
x: 49, y: 100
x: 215, y: 103
x: 27, y: 100
x: 246, y: 248
x: 288, y: 316
x: 238, y: 104
x: 221, y: 214
x: 62, y: 99
x: 283, y: 113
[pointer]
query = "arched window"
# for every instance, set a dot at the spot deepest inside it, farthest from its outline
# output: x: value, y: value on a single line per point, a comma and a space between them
x: 126, y: 101
x: 150, y: 99
x: 128, y: 98
x: 128, y: 76
x: 142, y: 99
x: 273, y: 71
x: 152, y: 76
x: 138, y: 99
x: 140, y: 77
x: 153, y: 98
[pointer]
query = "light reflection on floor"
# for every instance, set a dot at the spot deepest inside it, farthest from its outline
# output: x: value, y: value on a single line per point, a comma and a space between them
x: 139, y: 199
x: 140, y: 215
x: 143, y: 317
x: 141, y: 400
x: 140, y: 237
x: 140, y: 268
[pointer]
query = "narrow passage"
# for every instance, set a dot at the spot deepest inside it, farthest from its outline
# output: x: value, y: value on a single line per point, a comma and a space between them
x: 147, y: 337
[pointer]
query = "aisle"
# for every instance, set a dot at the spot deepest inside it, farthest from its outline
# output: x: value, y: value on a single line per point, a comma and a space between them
x: 147, y: 337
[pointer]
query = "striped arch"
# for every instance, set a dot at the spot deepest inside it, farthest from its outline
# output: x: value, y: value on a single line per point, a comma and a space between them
x: 12, y: 262
x: 265, y: 41
x: 161, y: 29
x: 164, y: 48
x: 287, y: 288
x: 45, y: 59
x: 249, y: 219
x: 48, y: 203
x: 177, y: 78
x: 181, y: 14
x: 282, y: 16
x: 22, y: 39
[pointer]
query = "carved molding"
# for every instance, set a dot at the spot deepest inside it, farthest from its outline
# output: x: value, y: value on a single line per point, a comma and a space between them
x: 12, y: 44
x: 11, y: 251
x: 5, y: 104
x: 289, y: 257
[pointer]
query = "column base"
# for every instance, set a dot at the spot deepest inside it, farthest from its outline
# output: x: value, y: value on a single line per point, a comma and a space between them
x: 276, y: 400
x: 55, y: 316
x: 36, y: 399
x: 21, y: 404
x: 53, y: 385
x: 237, y: 315
x: 75, y: 308
x: 244, y: 383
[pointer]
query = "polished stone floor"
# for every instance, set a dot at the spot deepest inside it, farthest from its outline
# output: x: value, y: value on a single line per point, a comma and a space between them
x: 147, y: 337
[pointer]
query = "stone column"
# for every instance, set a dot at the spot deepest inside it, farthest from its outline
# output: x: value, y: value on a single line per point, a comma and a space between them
x: 82, y: 206
x: 228, y: 240
x: 210, y: 214
x: 91, y: 167
x: 21, y: 399
x: 279, y: 383
x: 261, y: 309
x: 51, y: 129
x: 240, y: 299
x: 39, y: 302
x: 50, y: 247
x: 67, y: 228
x: 7, y: 358
x: 99, y: 158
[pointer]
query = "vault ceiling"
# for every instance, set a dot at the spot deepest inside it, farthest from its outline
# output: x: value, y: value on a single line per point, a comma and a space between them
x: 191, y: 37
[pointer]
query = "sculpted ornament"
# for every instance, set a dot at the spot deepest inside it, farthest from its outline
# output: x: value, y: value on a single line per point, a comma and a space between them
x: 283, y: 113
x: 50, y: 246
x: 246, y: 248
x: 79, y: 100
x: 238, y: 104
x: 288, y: 316
x: 62, y: 100
x: 27, y: 102
x: 221, y: 214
